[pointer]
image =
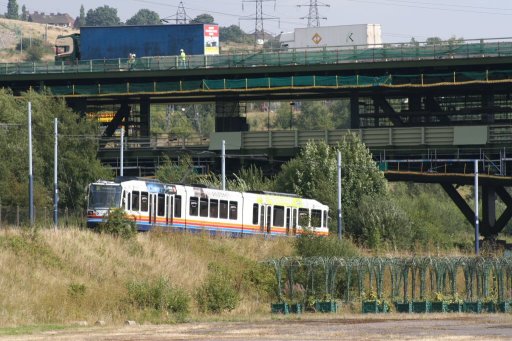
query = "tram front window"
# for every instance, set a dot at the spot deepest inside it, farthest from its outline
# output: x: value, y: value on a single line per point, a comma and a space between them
x: 104, y: 196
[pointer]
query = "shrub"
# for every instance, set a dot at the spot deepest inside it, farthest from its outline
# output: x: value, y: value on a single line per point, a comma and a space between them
x: 310, y: 245
x: 118, y: 224
x: 76, y: 290
x: 159, y: 295
x: 218, y: 292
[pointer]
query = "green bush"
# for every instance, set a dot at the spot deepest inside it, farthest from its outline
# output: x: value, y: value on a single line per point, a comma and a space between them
x: 118, y: 224
x: 218, y: 292
x: 76, y: 290
x: 310, y: 245
x: 158, y: 295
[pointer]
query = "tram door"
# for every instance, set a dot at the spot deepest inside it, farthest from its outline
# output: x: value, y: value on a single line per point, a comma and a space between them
x: 152, y: 208
x: 268, y: 220
x: 170, y: 209
x: 288, y: 220
x: 265, y: 218
x: 262, y: 219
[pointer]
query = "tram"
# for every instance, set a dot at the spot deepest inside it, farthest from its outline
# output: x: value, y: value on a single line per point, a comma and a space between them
x: 195, y: 208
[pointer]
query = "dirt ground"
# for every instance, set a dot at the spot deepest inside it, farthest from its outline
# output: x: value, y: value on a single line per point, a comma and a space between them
x: 350, y: 327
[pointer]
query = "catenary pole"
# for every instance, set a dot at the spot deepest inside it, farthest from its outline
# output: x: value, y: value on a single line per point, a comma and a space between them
x: 340, y: 220
x: 30, y: 175
x: 223, y: 165
x: 55, y: 183
x: 121, y: 172
x: 477, y: 222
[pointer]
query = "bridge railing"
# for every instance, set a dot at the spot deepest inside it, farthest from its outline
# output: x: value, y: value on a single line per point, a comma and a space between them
x: 495, y: 47
x: 156, y: 141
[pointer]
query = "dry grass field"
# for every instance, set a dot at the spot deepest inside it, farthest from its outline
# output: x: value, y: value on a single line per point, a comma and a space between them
x: 41, y: 272
x: 57, y: 277
x: 12, y: 30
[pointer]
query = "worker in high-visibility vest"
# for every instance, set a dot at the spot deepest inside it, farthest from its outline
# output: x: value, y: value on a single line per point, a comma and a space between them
x: 183, y: 59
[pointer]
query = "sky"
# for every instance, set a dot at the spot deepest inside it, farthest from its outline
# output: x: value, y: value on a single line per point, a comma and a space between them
x: 400, y: 20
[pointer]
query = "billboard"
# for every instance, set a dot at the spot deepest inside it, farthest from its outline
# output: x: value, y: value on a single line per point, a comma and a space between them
x: 211, y: 39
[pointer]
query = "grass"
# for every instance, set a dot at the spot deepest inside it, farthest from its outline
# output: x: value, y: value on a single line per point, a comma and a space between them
x: 8, y: 27
x: 31, y: 329
x: 56, y: 277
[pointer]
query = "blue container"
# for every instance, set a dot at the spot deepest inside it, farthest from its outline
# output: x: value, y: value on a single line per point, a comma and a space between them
x: 145, y: 41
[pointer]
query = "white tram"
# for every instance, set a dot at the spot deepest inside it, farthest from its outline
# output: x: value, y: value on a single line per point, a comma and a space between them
x: 154, y: 204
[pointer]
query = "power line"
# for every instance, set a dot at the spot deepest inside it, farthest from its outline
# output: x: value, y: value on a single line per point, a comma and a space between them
x: 446, y: 9
x: 313, y: 16
x: 259, y: 18
x: 180, y: 17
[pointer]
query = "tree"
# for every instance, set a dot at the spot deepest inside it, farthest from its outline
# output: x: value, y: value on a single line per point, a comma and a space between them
x: 177, y: 171
x: 78, y: 165
x: 314, y: 115
x: 284, y: 116
x: 144, y: 17
x: 24, y: 13
x: 203, y: 19
x: 102, y: 16
x: 313, y: 174
x: 340, y: 114
x: 80, y: 21
x: 433, y: 41
x: 234, y: 34
x: 12, y: 10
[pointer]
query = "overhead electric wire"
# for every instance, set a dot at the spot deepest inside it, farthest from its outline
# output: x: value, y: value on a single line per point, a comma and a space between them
x: 391, y: 3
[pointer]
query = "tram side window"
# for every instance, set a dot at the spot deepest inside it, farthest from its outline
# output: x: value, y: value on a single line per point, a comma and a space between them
x: 203, y: 207
x: 278, y: 216
x: 324, y: 222
x: 316, y: 218
x: 144, y: 201
x: 129, y: 201
x: 223, y: 209
x: 194, y: 206
x: 255, y: 215
x: 303, y: 217
x: 161, y: 205
x: 214, y: 208
x: 233, y: 210
x: 135, y: 200
x: 177, y: 206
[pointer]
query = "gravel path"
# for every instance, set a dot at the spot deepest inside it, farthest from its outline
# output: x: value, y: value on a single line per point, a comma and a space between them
x: 307, y: 327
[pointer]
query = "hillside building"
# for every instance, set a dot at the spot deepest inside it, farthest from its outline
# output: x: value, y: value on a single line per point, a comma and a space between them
x: 59, y: 19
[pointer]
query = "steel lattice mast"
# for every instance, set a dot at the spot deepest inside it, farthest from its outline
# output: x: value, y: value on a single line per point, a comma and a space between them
x: 180, y: 17
x: 181, y: 14
x: 314, y: 16
x: 259, y: 18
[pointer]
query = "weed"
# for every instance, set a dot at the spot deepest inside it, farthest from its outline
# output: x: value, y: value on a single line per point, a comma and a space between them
x: 218, y: 292
x: 118, y: 224
x: 76, y: 290
x: 158, y: 296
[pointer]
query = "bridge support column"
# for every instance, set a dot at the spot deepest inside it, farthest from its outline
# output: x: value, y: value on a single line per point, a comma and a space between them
x: 354, y: 111
x: 487, y: 103
x: 145, y: 116
x: 489, y: 226
x: 227, y: 116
